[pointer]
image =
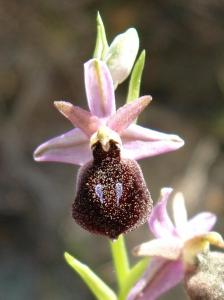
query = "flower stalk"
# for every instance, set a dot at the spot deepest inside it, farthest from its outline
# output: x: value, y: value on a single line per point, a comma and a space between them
x: 120, y: 260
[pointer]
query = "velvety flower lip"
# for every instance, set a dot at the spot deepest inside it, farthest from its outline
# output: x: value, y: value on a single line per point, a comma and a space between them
x: 173, y: 243
x: 73, y: 146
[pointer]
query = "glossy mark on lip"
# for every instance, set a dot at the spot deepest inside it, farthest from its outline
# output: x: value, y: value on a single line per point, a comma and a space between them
x: 119, y: 191
x: 99, y: 192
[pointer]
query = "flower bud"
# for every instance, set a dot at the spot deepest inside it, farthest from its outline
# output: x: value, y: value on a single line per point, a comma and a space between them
x: 122, y: 54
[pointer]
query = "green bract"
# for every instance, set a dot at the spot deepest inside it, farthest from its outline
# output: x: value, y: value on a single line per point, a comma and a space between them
x: 126, y: 276
x: 96, y: 285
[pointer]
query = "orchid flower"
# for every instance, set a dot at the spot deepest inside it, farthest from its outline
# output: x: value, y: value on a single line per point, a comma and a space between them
x: 74, y: 146
x: 174, y: 248
x: 111, y: 194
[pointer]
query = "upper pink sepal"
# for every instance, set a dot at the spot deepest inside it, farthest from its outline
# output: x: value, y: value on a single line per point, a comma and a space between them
x: 99, y: 88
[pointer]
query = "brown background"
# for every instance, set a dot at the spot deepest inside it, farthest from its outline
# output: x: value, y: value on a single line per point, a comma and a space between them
x: 43, y: 45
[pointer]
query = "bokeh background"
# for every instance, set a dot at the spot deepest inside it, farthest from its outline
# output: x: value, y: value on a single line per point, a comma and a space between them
x: 43, y: 45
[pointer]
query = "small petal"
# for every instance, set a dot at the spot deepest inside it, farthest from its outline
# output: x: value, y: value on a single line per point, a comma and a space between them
x: 128, y: 113
x: 168, y: 248
x: 99, y: 88
x: 179, y: 211
x: 122, y: 54
x: 140, y: 142
x: 160, y: 276
x: 201, y: 223
x: 71, y: 147
x: 79, y: 117
x: 159, y: 221
x: 199, y: 244
x: 215, y: 239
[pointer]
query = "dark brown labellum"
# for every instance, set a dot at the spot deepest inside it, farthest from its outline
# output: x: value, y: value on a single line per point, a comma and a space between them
x: 112, y: 197
x: 205, y: 280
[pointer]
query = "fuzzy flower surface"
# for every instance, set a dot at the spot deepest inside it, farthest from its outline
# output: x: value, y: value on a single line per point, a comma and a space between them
x: 174, y: 246
x: 74, y: 146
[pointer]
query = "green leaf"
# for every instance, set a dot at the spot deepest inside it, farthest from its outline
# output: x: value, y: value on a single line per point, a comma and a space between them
x: 135, y: 81
x: 96, y: 285
x: 135, y: 273
x: 101, y: 47
x: 120, y: 259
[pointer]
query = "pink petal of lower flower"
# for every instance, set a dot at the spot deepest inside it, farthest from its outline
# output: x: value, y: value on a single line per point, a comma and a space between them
x: 99, y: 88
x: 128, y: 113
x: 179, y: 211
x: 168, y: 248
x: 140, y: 142
x: 201, y: 223
x: 79, y: 117
x: 71, y: 147
x: 161, y: 276
x: 159, y: 221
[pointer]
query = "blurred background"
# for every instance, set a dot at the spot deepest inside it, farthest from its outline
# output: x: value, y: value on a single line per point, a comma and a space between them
x: 43, y: 45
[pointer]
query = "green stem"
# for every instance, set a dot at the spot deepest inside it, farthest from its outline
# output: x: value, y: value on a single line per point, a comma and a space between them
x: 133, y: 276
x: 120, y: 259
